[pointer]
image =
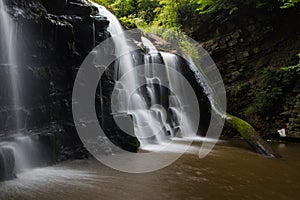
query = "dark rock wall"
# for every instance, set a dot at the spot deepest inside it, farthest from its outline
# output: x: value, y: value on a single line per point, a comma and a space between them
x: 53, y: 38
x: 50, y: 48
x: 246, y: 43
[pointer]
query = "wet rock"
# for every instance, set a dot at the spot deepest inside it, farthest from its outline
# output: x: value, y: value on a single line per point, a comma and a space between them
x: 7, y: 163
x: 56, y: 37
x: 78, y: 9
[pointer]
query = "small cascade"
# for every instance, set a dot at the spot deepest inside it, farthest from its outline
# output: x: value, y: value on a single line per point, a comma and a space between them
x: 21, y: 153
x: 7, y: 163
x: 208, y: 90
x: 24, y: 149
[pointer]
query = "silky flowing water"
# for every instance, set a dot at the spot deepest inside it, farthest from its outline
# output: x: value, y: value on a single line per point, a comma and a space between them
x: 8, y: 59
x: 230, y: 171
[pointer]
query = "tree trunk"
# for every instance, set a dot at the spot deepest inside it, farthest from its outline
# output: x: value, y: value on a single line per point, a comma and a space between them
x: 251, y: 136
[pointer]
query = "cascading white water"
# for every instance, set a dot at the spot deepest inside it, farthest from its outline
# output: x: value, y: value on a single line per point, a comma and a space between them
x: 208, y: 90
x: 26, y: 152
x: 19, y: 152
x: 180, y: 110
x: 152, y: 123
x: 129, y: 99
x: 8, y: 59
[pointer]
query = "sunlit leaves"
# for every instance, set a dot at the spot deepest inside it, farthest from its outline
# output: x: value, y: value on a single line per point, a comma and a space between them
x: 289, y: 3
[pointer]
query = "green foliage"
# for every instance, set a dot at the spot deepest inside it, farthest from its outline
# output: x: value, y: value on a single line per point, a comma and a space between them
x: 167, y: 13
x: 273, y: 86
x: 135, y: 10
x: 124, y: 7
x: 105, y: 3
x: 270, y: 91
x: 289, y: 3
x: 291, y: 70
x: 147, y: 10
x: 128, y: 22
x: 179, y: 14
x: 207, y: 6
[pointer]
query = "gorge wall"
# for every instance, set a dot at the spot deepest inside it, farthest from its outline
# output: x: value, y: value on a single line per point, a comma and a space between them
x: 252, y: 48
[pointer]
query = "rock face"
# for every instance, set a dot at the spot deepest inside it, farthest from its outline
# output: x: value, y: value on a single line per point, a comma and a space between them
x: 293, y: 123
x: 7, y: 162
x: 250, y: 48
x: 51, y: 47
x: 53, y: 38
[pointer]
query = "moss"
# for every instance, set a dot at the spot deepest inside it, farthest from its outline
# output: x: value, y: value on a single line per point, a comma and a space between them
x: 250, y: 136
x: 250, y: 110
x: 243, y: 127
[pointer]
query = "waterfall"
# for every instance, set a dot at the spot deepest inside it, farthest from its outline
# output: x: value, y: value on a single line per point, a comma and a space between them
x: 130, y: 99
x: 17, y: 152
x: 8, y: 60
x: 158, y: 114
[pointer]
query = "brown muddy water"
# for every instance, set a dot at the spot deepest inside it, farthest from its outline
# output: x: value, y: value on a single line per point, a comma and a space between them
x: 230, y: 171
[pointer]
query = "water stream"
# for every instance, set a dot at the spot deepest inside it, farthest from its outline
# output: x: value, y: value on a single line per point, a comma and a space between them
x: 229, y: 172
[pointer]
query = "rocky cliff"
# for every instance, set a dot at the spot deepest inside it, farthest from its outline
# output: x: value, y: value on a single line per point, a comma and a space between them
x: 53, y: 38
x: 253, y: 48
